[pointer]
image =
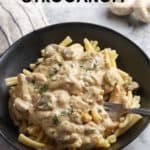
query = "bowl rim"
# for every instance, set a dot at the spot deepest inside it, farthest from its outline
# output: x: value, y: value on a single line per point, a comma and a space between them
x: 9, y: 49
x: 5, y: 54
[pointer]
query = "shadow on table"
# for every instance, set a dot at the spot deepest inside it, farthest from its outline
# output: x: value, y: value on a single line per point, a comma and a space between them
x: 129, y: 20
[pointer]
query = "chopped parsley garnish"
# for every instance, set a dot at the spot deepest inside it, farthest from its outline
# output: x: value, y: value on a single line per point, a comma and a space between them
x: 52, y: 73
x: 71, y: 65
x: 94, y: 65
x: 89, y: 131
x: 56, y: 120
x: 54, y: 70
x: 43, y: 88
x: 81, y: 65
x: 70, y: 110
x: 63, y: 113
x: 44, y: 103
x: 60, y: 65
x: 33, y: 81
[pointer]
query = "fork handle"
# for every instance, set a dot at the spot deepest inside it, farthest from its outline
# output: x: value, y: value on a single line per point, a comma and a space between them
x: 141, y: 111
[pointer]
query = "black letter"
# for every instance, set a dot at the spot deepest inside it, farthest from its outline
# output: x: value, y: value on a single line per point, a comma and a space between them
x: 26, y: 1
x: 84, y: 1
x: 94, y: 1
x: 45, y: 1
x: 56, y: 1
x: 121, y: 1
x: 70, y: 1
x: 105, y: 1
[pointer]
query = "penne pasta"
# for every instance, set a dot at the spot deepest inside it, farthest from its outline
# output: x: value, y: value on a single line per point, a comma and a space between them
x: 26, y: 72
x: 106, y: 58
x: 11, y: 81
x: 29, y: 142
x: 40, y: 60
x: 88, y: 46
x: 66, y: 41
x: 110, y: 58
x: 102, y: 143
x: 130, y: 120
x: 32, y: 66
x: 86, y: 117
x: 96, y: 117
x: 94, y: 44
x: 97, y: 49
x: 112, y: 139
x: 125, y: 76
x: 43, y: 52
x: 136, y: 102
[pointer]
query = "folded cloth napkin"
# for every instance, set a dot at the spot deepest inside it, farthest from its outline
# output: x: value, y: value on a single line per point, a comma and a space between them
x: 17, y: 19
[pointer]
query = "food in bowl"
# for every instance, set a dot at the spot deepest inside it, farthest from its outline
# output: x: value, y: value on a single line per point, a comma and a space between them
x: 59, y: 102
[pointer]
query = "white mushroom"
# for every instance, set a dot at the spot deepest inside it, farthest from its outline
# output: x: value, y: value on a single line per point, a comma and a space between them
x: 142, y: 10
x: 74, y: 51
x: 122, y: 8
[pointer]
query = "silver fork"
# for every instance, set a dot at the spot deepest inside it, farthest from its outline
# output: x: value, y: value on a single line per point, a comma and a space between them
x: 118, y: 110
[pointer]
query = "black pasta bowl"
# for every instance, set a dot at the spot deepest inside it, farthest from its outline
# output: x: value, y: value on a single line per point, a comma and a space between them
x: 27, y: 50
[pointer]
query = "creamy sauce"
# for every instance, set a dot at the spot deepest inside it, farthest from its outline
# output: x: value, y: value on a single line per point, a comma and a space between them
x: 62, y: 94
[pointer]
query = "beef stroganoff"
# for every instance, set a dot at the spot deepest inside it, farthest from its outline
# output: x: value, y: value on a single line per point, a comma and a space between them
x: 58, y: 102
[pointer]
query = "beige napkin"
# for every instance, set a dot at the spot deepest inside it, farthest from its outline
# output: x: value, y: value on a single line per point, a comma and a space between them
x: 17, y: 19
